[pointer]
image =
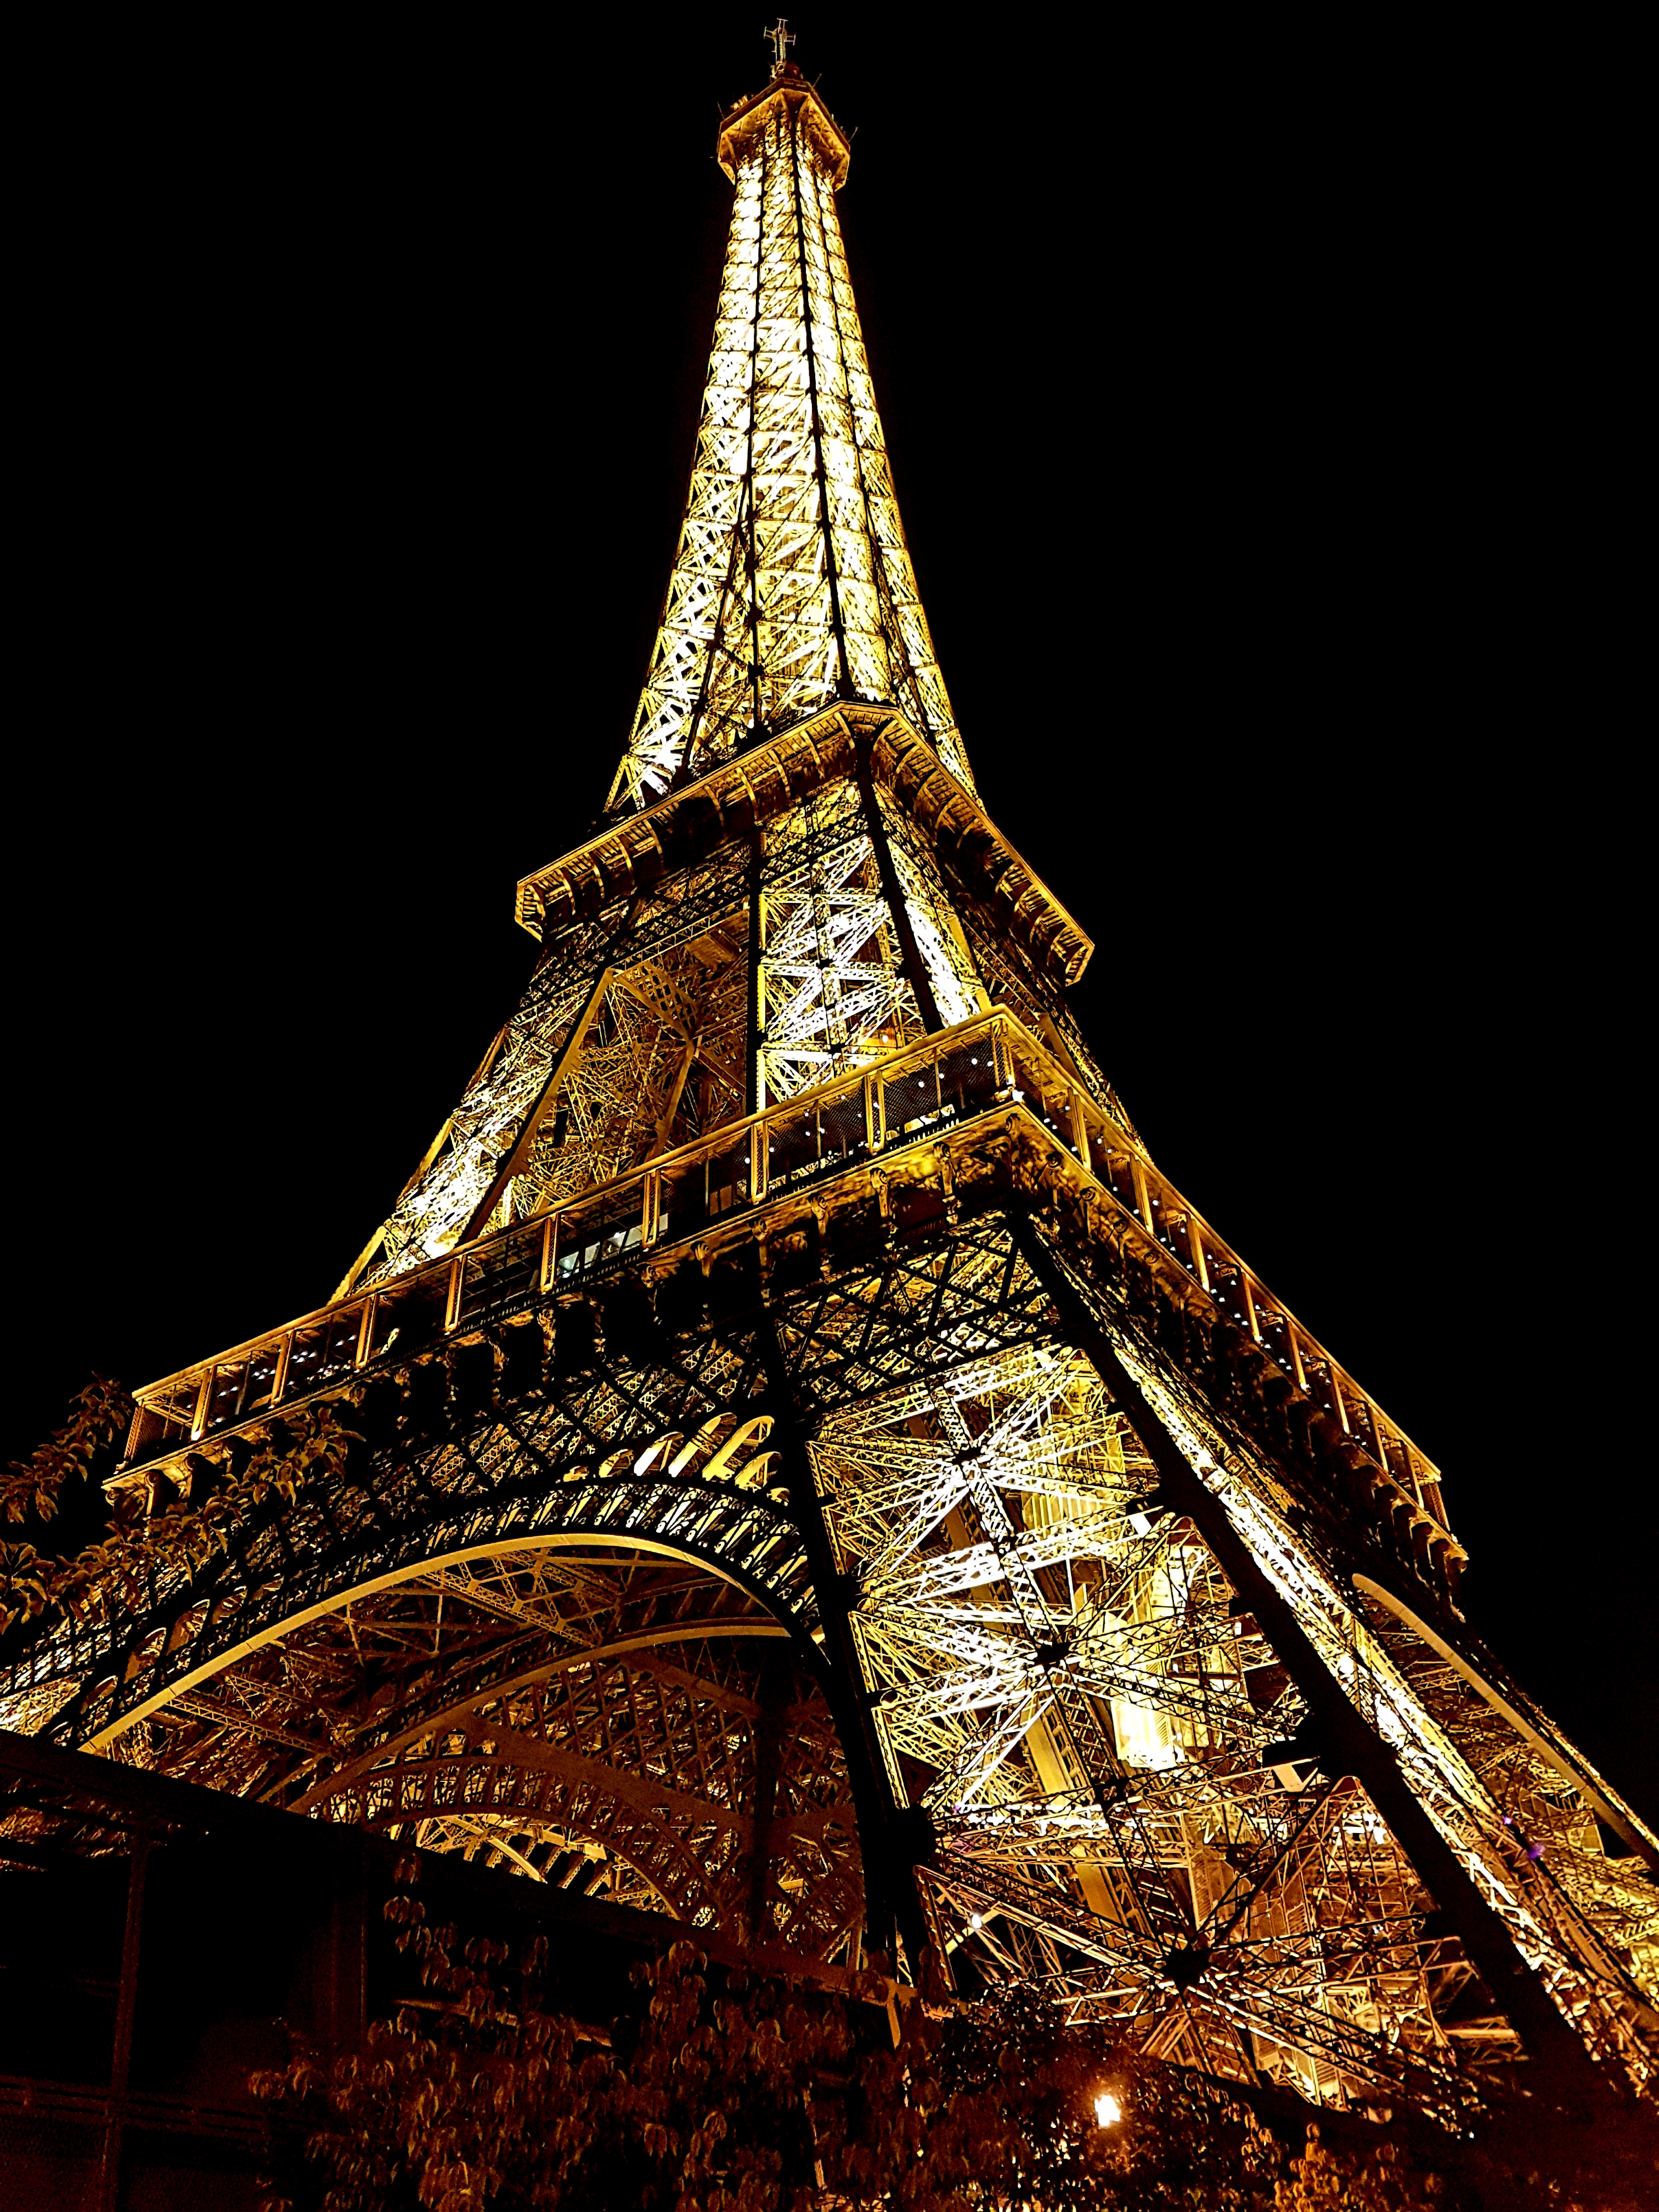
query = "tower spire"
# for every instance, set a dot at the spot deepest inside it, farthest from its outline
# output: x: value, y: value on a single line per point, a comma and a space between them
x: 782, y: 38
x: 792, y: 585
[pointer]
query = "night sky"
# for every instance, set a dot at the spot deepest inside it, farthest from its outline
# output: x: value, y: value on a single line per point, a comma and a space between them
x: 1255, y: 414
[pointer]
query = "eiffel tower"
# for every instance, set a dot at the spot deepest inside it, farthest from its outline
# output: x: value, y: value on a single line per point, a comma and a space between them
x: 790, y: 1459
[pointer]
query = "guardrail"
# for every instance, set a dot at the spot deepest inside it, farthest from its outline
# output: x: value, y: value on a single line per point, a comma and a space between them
x: 911, y: 1097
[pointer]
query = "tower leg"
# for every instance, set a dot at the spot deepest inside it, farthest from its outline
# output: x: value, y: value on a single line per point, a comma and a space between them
x: 1561, y: 2058
x: 891, y: 1902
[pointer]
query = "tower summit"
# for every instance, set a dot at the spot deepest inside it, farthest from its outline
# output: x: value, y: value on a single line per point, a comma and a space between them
x: 789, y: 1458
x: 792, y: 586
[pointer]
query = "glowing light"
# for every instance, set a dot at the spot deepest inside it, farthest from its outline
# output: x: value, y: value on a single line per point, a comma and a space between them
x: 830, y: 594
x: 1108, y: 2111
x: 976, y: 1920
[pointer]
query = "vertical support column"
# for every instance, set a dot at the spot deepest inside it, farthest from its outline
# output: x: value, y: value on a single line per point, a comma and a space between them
x: 1079, y: 1132
x: 754, y: 1080
x: 1379, y: 1439
x: 772, y: 1692
x: 125, y: 2009
x: 344, y: 1998
x: 892, y: 1901
x: 365, y: 1330
x: 1298, y: 1372
x: 1195, y: 1246
x: 844, y: 674
x: 1142, y: 1192
x: 1355, y: 1747
x: 1007, y: 1089
x: 909, y: 951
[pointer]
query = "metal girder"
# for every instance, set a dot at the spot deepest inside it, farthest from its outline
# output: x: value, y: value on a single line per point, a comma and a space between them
x: 1071, y: 1672
x: 785, y: 1397
x: 792, y: 585
x: 1553, y: 1981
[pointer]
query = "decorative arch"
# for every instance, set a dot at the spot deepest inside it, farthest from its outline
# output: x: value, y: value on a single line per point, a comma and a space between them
x: 367, y: 1528
x: 732, y: 1804
x: 455, y: 1673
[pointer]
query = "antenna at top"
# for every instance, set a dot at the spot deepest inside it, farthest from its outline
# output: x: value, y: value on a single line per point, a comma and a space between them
x: 782, y: 38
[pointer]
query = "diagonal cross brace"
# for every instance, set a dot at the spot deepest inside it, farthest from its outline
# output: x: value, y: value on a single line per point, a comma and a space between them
x: 1543, y: 2033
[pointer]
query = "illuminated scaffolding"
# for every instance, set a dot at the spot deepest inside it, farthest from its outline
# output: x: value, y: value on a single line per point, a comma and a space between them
x: 790, y: 1459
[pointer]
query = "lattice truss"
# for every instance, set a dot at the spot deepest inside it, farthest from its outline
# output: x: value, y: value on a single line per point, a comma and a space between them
x: 792, y: 585
x: 652, y: 993
x: 662, y: 1063
x: 441, y: 1202
x: 492, y: 1654
x: 1541, y: 1815
x: 611, y: 1058
x: 486, y: 1633
x: 1596, y: 1964
x: 835, y: 992
x: 591, y: 1718
x: 958, y: 985
x: 1063, y: 1678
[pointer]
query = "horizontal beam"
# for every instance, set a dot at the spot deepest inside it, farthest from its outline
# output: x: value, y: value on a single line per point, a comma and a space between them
x: 767, y: 779
x: 1095, y: 1152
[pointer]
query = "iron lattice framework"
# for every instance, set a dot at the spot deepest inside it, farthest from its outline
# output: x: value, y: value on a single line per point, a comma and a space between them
x: 792, y: 585
x: 793, y: 1459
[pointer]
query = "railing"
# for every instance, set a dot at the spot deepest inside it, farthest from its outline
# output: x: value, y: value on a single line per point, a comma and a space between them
x: 911, y: 1097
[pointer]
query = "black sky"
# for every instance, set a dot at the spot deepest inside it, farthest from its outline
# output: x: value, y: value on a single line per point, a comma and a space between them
x: 1258, y: 415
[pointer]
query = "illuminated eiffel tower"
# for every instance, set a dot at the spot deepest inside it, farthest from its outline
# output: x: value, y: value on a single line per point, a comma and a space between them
x: 790, y: 1459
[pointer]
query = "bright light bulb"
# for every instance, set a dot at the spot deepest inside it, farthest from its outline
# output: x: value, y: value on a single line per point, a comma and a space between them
x: 976, y: 1920
x: 1108, y: 2111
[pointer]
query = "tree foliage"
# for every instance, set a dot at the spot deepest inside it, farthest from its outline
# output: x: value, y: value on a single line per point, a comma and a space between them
x: 740, y: 2093
x: 115, y: 1573
x: 721, y: 2090
x: 98, y: 1414
x: 33, y: 1490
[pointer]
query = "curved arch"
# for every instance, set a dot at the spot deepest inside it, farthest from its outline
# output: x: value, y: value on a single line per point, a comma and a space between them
x: 594, y: 1654
x: 624, y: 1693
x: 285, y: 1624
x: 722, y: 1783
x: 527, y: 1679
x: 454, y: 1832
x: 486, y: 1836
x: 1575, y: 1769
x: 741, y: 1537
x: 436, y: 1478
x: 690, y: 1849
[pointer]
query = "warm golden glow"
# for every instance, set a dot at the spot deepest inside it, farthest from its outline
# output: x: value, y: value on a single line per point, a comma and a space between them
x: 792, y: 584
x: 790, y: 1187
